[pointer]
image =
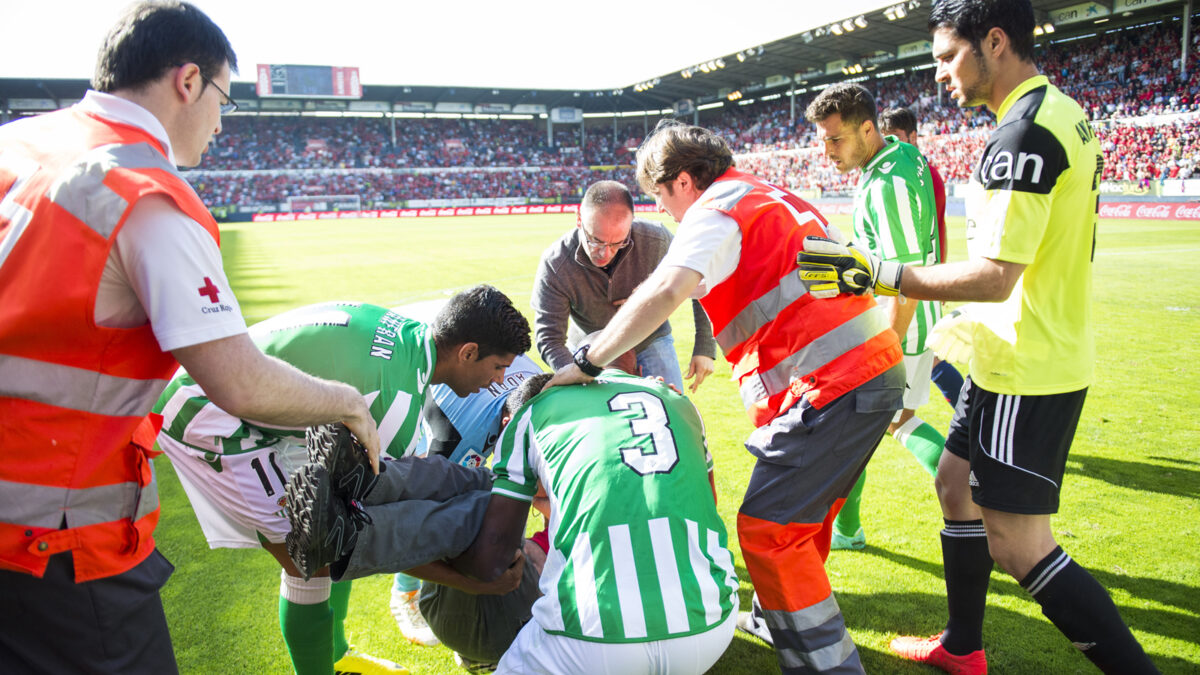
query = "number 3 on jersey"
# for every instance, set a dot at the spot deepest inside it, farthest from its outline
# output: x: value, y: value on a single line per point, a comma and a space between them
x: 653, y: 425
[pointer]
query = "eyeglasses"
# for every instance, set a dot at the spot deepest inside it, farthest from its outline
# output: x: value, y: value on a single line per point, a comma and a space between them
x: 597, y: 245
x: 229, y: 105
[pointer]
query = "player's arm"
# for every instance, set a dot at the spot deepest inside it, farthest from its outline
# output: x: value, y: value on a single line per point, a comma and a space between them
x: 704, y: 349
x: 551, y: 307
x: 163, y: 253
x: 442, y: 573
x: 246, y: 383
x: 501, y: 536
x: 502, y: 533
x: 649, y: 306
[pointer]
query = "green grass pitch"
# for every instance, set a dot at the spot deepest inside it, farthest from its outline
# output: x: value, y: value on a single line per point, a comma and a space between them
x: 1129, y: 506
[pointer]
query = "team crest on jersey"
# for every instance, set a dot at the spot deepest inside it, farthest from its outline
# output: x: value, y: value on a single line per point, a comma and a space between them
x: 472, y: 460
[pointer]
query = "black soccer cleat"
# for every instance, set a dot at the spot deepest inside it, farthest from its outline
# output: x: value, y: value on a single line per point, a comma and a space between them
x: 335, y: 448
x: 324, y: 525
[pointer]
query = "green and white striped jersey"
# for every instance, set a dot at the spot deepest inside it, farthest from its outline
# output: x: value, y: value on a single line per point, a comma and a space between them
x: 895, y: 217
x: 638, y: 552
x: 385, y: 356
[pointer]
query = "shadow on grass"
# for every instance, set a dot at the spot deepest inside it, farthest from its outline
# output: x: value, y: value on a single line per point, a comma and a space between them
x: 1141, y: 476
x: 253, y: 280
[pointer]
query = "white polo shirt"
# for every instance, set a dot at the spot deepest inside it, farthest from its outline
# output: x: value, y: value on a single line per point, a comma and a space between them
x: 164, y: 268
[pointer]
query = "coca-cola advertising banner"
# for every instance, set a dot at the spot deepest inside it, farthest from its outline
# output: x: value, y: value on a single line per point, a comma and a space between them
x: 1151, y: 210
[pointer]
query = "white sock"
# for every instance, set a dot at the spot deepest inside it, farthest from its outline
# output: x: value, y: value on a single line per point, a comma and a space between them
x: 298, y: 591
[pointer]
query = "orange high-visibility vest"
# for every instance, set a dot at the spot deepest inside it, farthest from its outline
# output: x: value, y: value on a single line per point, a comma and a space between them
x: 75, y: 438
x: 782, y: 342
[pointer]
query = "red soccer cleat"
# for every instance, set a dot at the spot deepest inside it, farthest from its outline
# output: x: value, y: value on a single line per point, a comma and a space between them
x: 930, y: 651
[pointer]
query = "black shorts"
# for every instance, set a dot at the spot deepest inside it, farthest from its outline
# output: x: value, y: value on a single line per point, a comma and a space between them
x: 1017, y: 446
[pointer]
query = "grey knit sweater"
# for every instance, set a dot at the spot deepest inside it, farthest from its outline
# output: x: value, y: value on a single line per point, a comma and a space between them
x: 569, y: 285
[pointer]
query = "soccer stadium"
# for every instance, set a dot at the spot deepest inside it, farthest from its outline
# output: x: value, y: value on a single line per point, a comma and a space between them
x: 405, y: 198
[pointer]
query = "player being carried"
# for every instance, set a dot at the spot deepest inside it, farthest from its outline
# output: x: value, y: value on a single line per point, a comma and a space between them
x: 235, y: 471
x: 463, y: 429
x: 638, y: 563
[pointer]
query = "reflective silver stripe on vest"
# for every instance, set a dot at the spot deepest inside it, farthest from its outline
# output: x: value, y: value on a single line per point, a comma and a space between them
x: 77, y: 388
x: 761, y: 311
x: 725, y: 194
x: 43, y: 506
x: 813, y: 355
x: 81, y: 190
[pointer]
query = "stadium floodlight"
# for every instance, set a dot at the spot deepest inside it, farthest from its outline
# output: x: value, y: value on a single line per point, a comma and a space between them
x: 807, y: 36
x: 836, y: 29
x: 860, y: 21
x: 741, y: 57
x: 1043, y: 29
x: 848, y: 25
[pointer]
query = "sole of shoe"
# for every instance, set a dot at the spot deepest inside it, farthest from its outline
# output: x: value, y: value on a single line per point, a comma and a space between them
x: 310, y: 499
x: 334, y: 447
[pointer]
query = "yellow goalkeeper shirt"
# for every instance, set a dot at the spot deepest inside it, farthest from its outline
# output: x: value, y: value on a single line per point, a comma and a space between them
x: 1033, y: 199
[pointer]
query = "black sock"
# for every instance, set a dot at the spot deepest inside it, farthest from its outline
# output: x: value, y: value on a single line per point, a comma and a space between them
x: 1080, y: 607
x: 968, y: 566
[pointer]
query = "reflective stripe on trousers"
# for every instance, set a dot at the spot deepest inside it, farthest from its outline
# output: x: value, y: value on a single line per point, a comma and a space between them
x: 812, y: 640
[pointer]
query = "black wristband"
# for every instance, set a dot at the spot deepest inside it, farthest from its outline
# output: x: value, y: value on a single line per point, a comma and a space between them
x: 590, y: 369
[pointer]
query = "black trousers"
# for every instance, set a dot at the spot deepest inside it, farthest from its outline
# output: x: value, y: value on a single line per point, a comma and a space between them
x: 110, y: 625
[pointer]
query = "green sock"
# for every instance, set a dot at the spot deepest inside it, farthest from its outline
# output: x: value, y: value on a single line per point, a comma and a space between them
x: 923, y: 441
x: 307, y: 631
x: 848, y: 521
x: 339, y: 602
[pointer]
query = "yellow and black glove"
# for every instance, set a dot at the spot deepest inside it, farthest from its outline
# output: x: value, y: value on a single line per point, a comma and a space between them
x: 829, y: 269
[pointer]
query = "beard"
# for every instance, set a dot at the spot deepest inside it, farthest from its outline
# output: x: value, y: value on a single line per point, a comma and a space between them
x: 976, y: 93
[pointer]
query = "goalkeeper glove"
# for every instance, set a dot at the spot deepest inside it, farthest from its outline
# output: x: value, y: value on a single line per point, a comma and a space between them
x: 952, y: 336
x: 836, y: 268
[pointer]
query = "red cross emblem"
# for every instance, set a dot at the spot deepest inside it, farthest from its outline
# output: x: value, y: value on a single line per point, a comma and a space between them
x: 209, y: 290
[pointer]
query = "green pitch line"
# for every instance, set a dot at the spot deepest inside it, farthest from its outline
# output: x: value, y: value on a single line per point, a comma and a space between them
x: 1129, y: 504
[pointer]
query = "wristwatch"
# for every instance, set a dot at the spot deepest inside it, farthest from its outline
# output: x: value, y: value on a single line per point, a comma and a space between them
x: 590, y: 369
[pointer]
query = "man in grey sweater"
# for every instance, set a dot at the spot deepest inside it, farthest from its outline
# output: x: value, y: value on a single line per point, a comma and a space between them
x: 589, y: 273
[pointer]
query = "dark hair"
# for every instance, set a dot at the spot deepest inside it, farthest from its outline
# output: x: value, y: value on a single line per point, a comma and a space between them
x: 674, y: 147
x: 153, y: 36
x: 972, y: 19
x: 485, y: 316
x: 606, y: 193
x: 854, y: 103
x: 525, y: 391
x: 898, y: 118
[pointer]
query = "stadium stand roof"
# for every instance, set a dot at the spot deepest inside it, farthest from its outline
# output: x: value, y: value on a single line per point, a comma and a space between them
x: 870, y: 41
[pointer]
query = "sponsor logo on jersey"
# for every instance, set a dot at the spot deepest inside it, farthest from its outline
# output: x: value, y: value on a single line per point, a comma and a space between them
x: 472, y: 460
x: 1002, y: 166
x: 972, y: 481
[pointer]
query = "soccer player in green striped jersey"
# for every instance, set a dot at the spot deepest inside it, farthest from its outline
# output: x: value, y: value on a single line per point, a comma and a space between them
x: 895, y: 217
x: 638, y: 572
x: 234, y: 471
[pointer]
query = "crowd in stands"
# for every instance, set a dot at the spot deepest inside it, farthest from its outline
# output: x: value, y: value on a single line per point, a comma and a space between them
x: 1132, y: 73
x: 381, y: 188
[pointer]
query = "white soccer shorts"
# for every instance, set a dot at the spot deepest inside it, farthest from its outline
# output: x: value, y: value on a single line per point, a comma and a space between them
x: 242, y: 500
x: 918, y: 370
x: 536, y: 651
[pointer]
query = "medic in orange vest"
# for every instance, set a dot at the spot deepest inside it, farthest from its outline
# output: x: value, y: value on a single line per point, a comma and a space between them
x: 74, y: 475
x: 820, y: 382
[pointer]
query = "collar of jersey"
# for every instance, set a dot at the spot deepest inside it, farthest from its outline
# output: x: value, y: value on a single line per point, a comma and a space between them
x: 1021, y: 90
x: 891, y: 144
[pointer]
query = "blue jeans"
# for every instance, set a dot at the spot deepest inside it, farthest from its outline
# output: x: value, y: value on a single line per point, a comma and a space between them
x: 659, y: 359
